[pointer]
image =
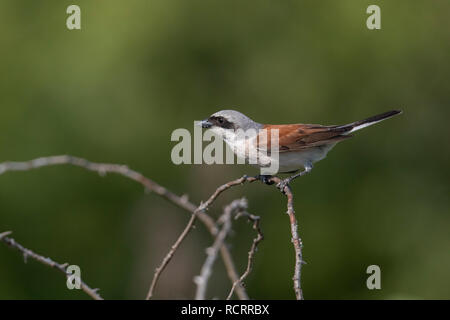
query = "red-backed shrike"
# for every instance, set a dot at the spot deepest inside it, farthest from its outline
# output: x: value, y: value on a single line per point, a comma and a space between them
x: 299, y: 145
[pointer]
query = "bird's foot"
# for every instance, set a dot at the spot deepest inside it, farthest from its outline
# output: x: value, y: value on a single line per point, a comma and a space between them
x: 285, y: 182
x: 265, y: 179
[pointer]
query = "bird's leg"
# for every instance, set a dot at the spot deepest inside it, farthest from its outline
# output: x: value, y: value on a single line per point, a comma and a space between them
x: 265, y: 178
x: 287, y: 181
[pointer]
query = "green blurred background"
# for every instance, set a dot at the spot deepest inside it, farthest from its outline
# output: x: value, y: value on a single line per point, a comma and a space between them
x: 116, y: 89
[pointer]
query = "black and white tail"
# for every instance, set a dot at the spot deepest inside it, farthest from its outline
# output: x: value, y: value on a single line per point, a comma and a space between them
x: 355, y: 126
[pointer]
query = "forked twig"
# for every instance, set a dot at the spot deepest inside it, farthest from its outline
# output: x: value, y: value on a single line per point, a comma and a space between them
x: 251, y: 254
x: 202, y: 208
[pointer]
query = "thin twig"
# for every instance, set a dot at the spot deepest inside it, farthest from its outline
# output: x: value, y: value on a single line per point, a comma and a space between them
x: 103, y: 168
x: 251, y: 253
x: 46, y: 261
x: 202, y: 208
x: 201, y: 280
x: 296, y: 240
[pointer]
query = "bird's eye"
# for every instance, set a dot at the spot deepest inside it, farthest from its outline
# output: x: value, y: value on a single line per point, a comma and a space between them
x: 221, y: 121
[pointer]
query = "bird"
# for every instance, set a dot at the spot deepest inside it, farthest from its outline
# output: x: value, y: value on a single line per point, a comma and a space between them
x: 299, y: 145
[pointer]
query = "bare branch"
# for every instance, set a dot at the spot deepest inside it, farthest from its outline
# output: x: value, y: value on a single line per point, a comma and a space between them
x: 182, y: 202
x: 298, y: 245
x: 202, y: 208
x: 251, y: 253
x: 232, y: 273
x: 296, y: 240
x: 46, y: 261
x: 201, y: 280
x: 104, y: 168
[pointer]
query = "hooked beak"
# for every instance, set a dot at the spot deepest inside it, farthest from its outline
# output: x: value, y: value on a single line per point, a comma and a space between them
x: 206, y: 124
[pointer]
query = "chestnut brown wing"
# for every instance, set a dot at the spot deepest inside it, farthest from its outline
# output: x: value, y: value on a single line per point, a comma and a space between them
x: 296, y: 137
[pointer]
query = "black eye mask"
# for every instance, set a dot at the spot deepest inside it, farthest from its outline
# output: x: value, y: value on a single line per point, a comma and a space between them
x: 221, y: 122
